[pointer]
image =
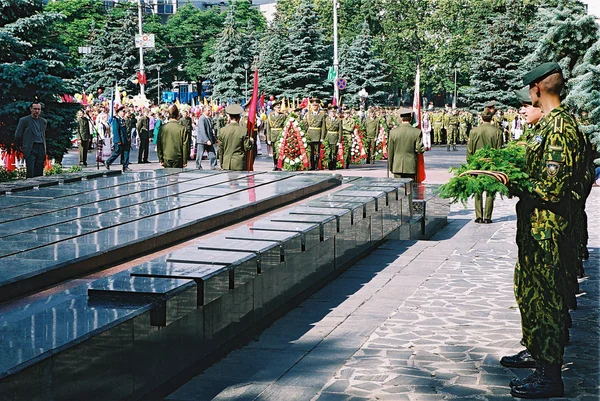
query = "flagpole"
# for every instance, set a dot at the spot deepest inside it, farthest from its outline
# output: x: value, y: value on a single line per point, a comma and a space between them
x: 141, y: 32
x: 336, y: 91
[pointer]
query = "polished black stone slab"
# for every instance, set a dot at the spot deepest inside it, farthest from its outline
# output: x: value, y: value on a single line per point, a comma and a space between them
x: 311, y: 232
x: 244, y: 265
x: 356, y: 209
x: 269, y: 253
x: 328, y: 223
x: 171, y: 298
x: 290, y: 241
x: 212, y: 281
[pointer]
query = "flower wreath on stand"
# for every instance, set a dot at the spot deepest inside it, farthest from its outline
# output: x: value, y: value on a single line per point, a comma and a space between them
x: 381, y: 144
x: 358, y: 154
x: 292, y: 147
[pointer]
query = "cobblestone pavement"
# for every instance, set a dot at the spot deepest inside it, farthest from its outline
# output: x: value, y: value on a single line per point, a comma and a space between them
x: 415, y: 320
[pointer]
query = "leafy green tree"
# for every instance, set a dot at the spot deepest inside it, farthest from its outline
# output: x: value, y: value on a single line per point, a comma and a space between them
x: 156, y: 58
x: 33, y: 65
x: 305, y: 66
x: 561, y: 33
x: 584, y: 94
x: 114, y: 57
x: 80, y: 16
x: 361, y: 67
x: 228, y: 72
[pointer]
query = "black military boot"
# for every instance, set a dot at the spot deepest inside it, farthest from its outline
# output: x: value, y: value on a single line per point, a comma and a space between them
x: 454, y: 148
x: 448, y: 148
x: 547, y: 383
x: 521, y: 360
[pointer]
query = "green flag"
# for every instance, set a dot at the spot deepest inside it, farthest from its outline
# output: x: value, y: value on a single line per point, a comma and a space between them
x: 331, y: 75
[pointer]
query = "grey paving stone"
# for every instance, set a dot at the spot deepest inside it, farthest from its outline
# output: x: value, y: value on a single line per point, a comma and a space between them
x: 279, y: 393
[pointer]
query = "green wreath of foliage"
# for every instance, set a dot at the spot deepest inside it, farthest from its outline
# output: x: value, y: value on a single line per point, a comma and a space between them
x: 509, y: 160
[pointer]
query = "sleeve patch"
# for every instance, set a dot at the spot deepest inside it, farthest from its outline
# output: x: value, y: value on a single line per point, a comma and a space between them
x: 552, y: 168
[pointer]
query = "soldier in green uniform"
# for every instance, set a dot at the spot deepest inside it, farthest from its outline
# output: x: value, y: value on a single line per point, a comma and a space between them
x: 186, y: 122
x: 371, y: 131
x: 333, y: 126
x: 484, y: 135
x: 452, y: 129
x: 83, y: 137
x: 437, y: 122
x: 173, y: 142
x: 445, y: 124
x: 234, y: 141
x: 315, y: 130
x: 556, y: 161
x: 347, y: 132
x: 462, y: 127
x: 405, y: 143
x: 275, y: 126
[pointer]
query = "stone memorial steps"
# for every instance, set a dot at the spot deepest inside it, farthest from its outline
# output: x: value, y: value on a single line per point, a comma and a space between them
x: 47, y: 181
x: 121, y: 336
x: 62, y: 232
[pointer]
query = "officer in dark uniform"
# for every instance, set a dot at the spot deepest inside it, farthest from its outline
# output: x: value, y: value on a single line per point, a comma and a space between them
x: 315, y: 123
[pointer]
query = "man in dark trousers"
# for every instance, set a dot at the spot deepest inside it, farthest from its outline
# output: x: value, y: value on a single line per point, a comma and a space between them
x: 481, y: 136
x: 143, y: 130
x: 83, y: 137
x: 205, y: 139
x: 405, y: 143
x: 31, y: 132
x: 121, y: 140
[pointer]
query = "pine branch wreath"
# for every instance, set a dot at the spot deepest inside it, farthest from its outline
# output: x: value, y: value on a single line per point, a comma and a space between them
x: 467, y: 182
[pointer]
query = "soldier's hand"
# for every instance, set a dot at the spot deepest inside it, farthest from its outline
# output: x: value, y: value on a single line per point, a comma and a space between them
x: 208, y: 143
x: 268, y: 142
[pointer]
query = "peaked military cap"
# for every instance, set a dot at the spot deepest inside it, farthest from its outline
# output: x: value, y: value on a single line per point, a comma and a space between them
x: 276, y: 103
x: 491, y: 103
x: 523, y: 95
x: 540, y: 72
x: 403, y: 111
x: 234, y: 109
x: 315, y: 100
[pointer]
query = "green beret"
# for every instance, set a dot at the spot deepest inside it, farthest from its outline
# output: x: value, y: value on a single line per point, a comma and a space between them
x: 234, y: 109
x: 523, y: 95
x: 540, y: 72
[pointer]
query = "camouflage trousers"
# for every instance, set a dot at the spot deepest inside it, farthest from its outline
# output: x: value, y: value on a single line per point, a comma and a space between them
x: 437, y: 134
x: 452, y: 136
x: 540, y: 290
x: 463, y: 134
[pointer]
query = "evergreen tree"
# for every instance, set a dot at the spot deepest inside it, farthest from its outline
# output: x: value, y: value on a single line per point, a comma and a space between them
x: 361, y: 68
x: 584, y: 94
x: 495, y: 64
x: 114, y: 57
x: 272, y: 49
x: 33, y: 65
x: 227, y: 72
x: 562, y: 33
x: 306, y: 64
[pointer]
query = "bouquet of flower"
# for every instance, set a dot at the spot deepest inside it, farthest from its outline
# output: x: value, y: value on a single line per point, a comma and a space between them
x: 358, y: 153
x: 489, y: 170
x: 381, y: 144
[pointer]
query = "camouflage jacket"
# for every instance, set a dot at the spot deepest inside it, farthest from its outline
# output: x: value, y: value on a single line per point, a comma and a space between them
x: 555, y: 165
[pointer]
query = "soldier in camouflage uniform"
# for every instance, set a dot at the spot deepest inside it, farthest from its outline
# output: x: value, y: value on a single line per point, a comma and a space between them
x: 275, y: 125
x: 462, y: 128
x: 371, y: 132
x: 556, y: 162
x: 437, y: 123
x: 452, y: 129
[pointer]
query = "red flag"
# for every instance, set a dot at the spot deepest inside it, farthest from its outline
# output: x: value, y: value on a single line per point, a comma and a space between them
x: 141, y: 78
x: 417, y: 113
x: 251, y: 123
x: 84, y: 100
x: 261, y: 102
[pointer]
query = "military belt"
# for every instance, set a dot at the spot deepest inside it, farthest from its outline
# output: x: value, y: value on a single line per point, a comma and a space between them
x: 332, y: 132
x: 314, y: 128
x: 276, y: 129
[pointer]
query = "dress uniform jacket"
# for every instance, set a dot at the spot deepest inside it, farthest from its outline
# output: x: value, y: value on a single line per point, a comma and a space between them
x: 315, y: 125
x: 405, y: 143
x: 484, y: 135
x: 233, y: 145
x: 173, y: 145
x: 372, y: 127
x: 334, y: 130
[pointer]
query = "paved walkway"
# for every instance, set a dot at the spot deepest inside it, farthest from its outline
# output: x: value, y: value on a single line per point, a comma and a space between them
x: 415, y: 320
